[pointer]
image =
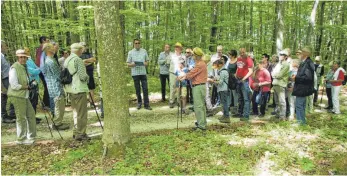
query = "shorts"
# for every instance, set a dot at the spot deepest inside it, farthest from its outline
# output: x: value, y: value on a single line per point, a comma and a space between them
x: 91, y: 83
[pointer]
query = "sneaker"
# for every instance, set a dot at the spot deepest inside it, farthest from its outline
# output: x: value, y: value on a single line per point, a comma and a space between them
x: 19, y: 142
x: 83, y: 137
x: 225, y: 120
x: 6, y: 120
x: 29, y: 142
x: 148, y: 108
x: 198, y: 129
x: 62, y: 126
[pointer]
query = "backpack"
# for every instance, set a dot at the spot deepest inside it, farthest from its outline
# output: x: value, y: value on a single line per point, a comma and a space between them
x: 232, y: 80
x: 66, y: 77
x: 344, y: 80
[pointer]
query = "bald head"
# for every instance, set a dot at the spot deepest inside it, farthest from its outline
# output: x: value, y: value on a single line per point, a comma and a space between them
x: 243, y: 52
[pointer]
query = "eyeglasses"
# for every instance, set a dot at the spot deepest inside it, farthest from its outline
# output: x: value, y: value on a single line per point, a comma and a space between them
x: 137, y: 43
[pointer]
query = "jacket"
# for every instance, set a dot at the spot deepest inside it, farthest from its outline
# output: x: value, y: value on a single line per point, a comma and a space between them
x: 80, y: 78
x: 304, y: 80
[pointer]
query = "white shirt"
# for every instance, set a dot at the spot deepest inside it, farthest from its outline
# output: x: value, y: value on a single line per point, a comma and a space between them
x: 13, y: 80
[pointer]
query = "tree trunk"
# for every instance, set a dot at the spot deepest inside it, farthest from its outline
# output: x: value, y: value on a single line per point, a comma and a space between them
x: 278, y: 28
x: 109, y: 34
x: 214, y: 27
x: 320, y: 25
x: 311, y: 24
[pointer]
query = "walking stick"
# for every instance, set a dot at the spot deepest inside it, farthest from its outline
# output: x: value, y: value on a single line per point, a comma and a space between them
x: 321, y: 98
x: 97, y: 114
x: 178, y: 105
x: 45, y: 111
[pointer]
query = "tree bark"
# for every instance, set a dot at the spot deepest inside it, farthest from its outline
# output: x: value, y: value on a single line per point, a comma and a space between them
x: 320, y: 25
x: 109, y: 34
x: 214, y: 27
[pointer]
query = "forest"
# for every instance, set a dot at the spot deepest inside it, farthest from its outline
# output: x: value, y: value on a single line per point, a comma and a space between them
x: 138, y: 142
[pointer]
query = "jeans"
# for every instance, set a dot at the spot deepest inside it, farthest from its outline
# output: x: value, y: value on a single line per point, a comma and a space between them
x: 235, y: 100
x: 4, y: 113
x: 225, y: 101
x: 163, y: 79
x: 330, y: 100
x: 335, y: 90
x: 265, y: 96
x: 244, y: 92
x: 300, y: 105
x: 143, y: 79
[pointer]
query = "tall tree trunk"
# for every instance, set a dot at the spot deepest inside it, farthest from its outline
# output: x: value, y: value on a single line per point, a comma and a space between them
x: 251, y: 27
x: 277, y: 45
x: 109, y: 34
x: 320, y: 25
x: 214, y: 28
x: 311, y: 24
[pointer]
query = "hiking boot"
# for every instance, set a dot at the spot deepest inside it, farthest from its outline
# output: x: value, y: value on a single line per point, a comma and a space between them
x: 273, y: 113
x: 38, y: 120
x: 328, y: 108
x: 224, y: 120
x: 138, y: 107
x: 198, y: 129
x: 148, y: 108
x: 261, y: 115
x: 7, y: 120
x: 62, y: 126
x: 83, y: 137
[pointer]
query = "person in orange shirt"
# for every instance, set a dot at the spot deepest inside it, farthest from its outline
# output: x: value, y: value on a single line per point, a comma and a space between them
x: 198, y: 76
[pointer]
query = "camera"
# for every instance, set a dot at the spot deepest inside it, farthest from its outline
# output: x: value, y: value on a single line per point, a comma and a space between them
x: 32, y: 85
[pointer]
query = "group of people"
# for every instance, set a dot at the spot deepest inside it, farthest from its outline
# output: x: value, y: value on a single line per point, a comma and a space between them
x: 20, y: 94
x: 242, y: 87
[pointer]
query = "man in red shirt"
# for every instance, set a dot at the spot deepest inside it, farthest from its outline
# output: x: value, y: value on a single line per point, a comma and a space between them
x: 243, y: 72
x: 339, y: 74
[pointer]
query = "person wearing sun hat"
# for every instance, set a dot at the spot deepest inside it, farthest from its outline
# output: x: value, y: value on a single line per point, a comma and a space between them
x: 304, y: 84
x: 198, y: 76
x: 172, y: 62
x: 18, y: 93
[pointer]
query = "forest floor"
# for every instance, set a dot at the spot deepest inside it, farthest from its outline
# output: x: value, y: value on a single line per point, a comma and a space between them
x: 262, y: 147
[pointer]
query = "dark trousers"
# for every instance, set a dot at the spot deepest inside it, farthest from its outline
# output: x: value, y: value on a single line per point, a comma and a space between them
x: 4, y: 113
x: 163, y: 79
x: 34, y: 97
x: 240, y: 100
x: 143, y: 80
x: 315, y: 97
x: 214, y: 98
x: 45, y: 91
x: 287, y: 107
x: 189, y: 92
x: 265, y: 96
x: 330, y: 100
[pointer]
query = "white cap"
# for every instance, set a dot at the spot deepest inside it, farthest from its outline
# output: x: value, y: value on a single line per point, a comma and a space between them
x: 317, y: 58
x: 21, y: 52
x: 76, y: 46
x: 285, y: 52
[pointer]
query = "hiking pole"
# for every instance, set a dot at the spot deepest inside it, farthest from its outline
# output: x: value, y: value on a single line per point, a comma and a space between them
x: 46, y: 119
x: 321, y: 98
x: 97, y: 114
x: 180, y: 94
x: 178, y: 104
x: 45, y: 111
